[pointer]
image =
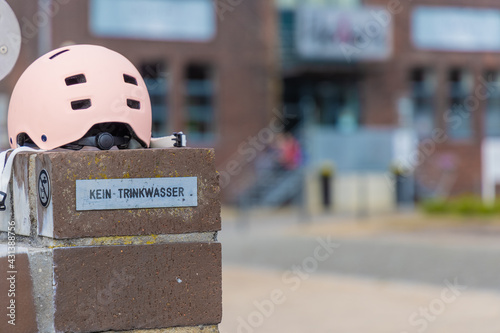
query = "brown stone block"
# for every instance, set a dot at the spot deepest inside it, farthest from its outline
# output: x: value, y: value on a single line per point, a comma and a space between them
x: 18, y: 288
x: 60, y: 219
x: 137, y: 287
x: 197, y: 329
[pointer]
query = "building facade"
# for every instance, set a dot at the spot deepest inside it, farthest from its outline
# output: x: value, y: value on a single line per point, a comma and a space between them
x: 401, y: 90
x: 398, y: 99
x: 444, y: 77
x: 209, y: 66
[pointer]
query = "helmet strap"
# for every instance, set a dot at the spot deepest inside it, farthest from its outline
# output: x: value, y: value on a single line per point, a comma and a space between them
x: 103, y: 141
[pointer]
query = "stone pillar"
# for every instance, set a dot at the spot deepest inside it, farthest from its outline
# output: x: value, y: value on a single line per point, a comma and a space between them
x: 125, y: 240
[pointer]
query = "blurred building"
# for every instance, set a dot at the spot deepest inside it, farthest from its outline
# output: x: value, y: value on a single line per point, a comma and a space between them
x: 391, y: 100
x: 209, y: 67
x: 394, y: 100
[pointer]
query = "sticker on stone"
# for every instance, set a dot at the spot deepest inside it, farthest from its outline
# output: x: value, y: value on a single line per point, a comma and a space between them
x: 44, y: 188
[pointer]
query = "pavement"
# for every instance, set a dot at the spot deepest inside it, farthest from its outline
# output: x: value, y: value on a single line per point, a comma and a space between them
x: 400, y: 273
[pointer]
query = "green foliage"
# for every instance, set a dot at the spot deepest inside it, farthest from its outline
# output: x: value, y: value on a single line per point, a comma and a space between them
x: 463, y: 206
x: 435, y: 206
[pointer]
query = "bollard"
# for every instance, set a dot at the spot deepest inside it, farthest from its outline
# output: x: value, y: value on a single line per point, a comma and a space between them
x: 125, y: 240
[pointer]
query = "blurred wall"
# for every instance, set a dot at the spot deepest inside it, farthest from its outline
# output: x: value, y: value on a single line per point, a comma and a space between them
x: 241, y: 59
x: 449, y: 155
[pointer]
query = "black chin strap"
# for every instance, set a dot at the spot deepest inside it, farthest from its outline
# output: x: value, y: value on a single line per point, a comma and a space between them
x: 103, y: 141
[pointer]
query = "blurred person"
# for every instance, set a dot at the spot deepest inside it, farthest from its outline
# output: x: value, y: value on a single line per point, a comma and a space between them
x: 290, y: 151
x: 267, y: 160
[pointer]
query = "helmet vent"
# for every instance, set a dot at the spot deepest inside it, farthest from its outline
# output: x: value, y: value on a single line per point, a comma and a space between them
x: 130, y: 79
x: 133, y: 104
x: 81, y: 104
x: 75, y: 79
x: 58, y: 53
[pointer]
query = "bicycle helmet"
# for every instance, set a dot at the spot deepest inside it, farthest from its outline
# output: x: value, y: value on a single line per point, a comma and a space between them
x: 80, y: 95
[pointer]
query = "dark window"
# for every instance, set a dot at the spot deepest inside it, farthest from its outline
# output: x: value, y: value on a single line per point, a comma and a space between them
x: 155, y: 77
x: 460, y: 113
x: 490, y: 90
x: 200, y: 102
x: 422, y: 97
x: 338, y: 105
x: 324, y: 101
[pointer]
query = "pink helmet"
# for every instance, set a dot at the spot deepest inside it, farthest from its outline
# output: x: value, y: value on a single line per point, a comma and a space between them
x: 80, y: 95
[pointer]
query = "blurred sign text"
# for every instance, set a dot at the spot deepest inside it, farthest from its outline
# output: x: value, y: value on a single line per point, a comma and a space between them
x: 328, y: 33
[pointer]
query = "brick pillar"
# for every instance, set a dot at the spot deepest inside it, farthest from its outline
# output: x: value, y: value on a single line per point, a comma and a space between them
x: 121, y: 267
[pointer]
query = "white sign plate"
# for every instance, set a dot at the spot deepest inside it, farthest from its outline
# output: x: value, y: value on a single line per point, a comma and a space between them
x: 177, y: 20
x: 456, y: 29
x: 107, y: 194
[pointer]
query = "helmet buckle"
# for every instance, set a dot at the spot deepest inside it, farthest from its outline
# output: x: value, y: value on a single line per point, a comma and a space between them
x: 104, y: 141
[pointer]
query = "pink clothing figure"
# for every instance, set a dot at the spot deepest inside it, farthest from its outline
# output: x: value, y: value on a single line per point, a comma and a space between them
x: 291, y: 154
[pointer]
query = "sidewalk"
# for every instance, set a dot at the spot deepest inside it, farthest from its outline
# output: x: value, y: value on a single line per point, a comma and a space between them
x: 394, y: 274
x: 400, y: 248
x: 339, y: 304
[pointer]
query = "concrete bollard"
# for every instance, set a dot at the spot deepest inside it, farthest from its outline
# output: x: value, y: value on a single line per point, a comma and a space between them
x: 96, y: 241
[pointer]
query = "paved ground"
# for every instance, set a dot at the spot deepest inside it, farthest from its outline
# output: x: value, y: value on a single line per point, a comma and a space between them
x: 336, y: 304
x: 341, y: 275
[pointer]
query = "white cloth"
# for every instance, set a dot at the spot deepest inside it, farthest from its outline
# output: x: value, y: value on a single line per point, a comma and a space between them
x: 6, y: 170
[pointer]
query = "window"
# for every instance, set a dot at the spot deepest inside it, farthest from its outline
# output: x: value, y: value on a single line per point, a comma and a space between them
x: 323, y: 101
x: 200, y: 102
x: 492, y: 116
x: 338, y: 105
x: 460, y: 114
x: 422, y: 95
x: 155, y: 77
